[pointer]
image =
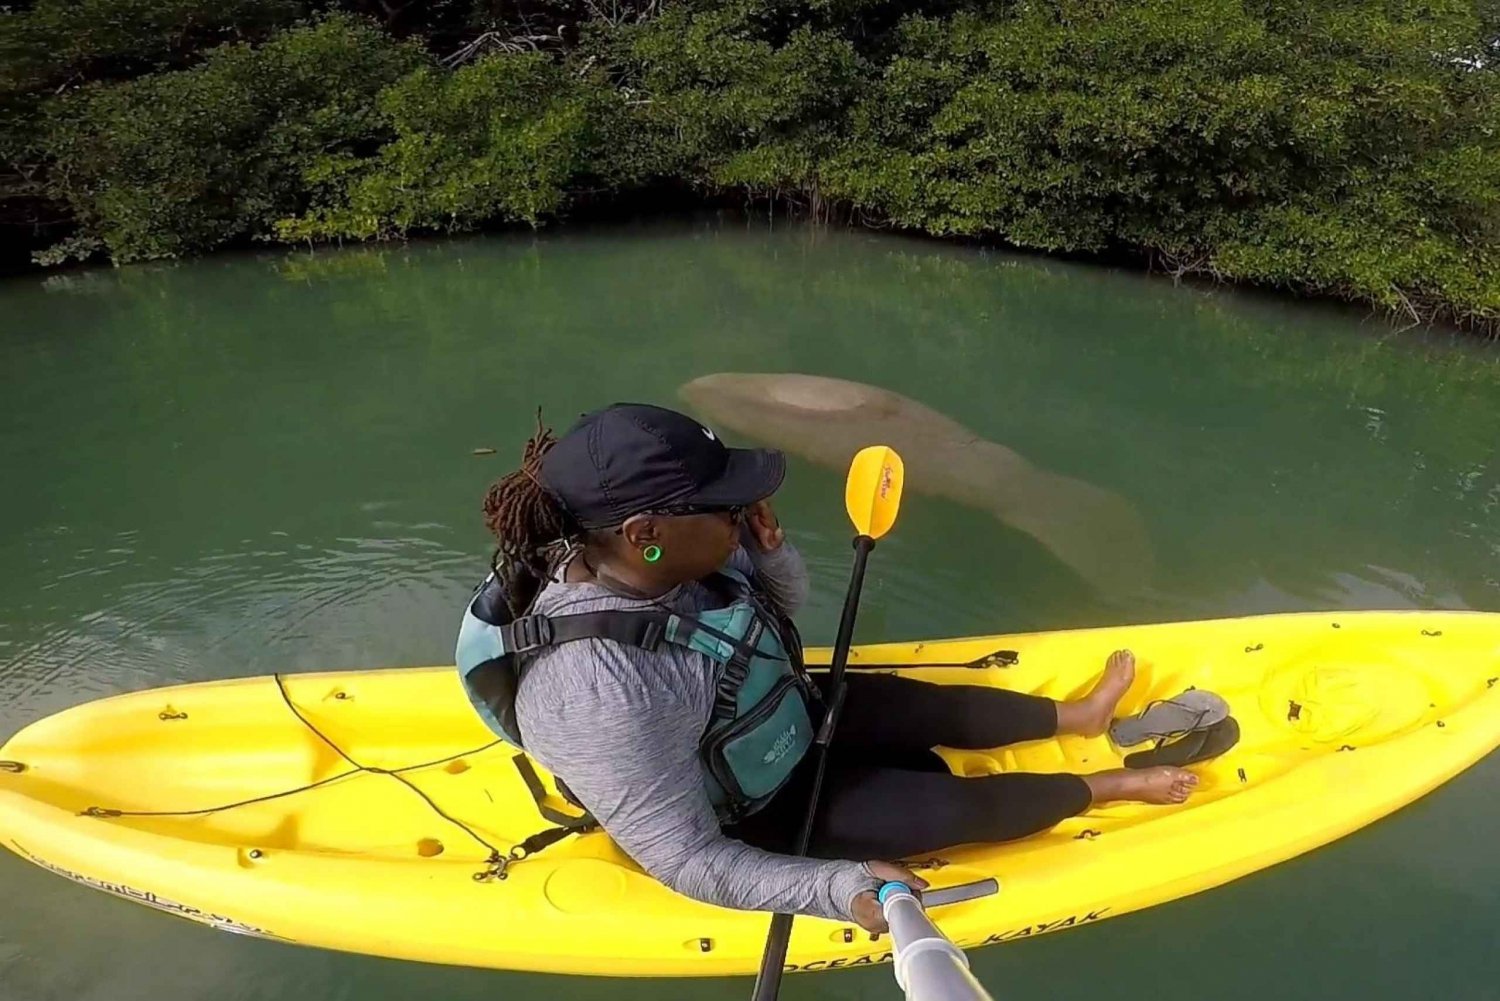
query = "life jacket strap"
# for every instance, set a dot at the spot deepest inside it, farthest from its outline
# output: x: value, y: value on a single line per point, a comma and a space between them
x: 633, y: 627
x: 569, y: 821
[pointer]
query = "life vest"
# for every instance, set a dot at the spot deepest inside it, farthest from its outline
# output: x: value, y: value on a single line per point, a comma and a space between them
x: 760, y: 726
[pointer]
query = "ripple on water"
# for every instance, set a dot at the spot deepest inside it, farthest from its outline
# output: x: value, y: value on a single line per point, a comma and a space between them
x: 248, y: 611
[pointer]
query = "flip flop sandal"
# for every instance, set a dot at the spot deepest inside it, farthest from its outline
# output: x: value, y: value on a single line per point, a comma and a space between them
x: 1200, y: 745
x: 1191, y: 710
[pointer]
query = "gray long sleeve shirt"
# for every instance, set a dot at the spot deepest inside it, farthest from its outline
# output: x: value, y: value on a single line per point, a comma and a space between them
x: 621, y: 727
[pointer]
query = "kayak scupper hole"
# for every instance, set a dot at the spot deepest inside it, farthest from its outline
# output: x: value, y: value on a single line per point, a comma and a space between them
x: 429, y: 848
x: 249, y: 858
x: 457, y: 767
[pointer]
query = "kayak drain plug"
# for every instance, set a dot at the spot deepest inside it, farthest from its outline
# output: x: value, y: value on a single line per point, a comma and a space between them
x: 705, y: 945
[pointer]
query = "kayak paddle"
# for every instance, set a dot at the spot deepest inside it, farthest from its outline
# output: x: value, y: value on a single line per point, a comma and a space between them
x: 872, y: 497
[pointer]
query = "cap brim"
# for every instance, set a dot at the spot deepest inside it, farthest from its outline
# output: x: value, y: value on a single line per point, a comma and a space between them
x: 752, y: 474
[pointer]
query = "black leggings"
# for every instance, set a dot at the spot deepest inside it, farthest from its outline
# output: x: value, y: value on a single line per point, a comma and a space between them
x: 887, y: 795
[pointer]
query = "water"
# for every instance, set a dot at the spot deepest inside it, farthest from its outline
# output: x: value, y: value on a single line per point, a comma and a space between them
x: 265, y: 462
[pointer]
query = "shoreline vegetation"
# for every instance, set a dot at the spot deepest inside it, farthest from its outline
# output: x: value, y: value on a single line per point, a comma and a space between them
x: 1347, y: 149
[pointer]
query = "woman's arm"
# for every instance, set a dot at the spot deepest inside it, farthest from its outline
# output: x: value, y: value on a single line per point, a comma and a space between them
x: 631, y: 756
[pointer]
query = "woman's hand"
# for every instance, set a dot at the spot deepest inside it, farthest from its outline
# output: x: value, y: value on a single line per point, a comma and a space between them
x: 867, y: 912
x: 764, y: 527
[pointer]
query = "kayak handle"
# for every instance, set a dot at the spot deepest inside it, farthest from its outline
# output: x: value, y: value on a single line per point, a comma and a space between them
x: 959, y: 893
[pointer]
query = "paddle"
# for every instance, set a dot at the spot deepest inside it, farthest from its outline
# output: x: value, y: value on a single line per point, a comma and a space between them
x: 872, y: 496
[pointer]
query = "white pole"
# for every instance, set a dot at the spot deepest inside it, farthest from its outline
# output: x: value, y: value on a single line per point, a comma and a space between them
x: 928, y: 966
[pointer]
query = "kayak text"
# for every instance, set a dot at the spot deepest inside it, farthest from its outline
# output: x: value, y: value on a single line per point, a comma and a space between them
x: 150, y: 899
x: 1040, y: 928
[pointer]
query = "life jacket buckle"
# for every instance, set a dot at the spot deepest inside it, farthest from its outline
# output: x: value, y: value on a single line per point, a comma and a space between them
x: 529, y: 632
x: 651, y: 636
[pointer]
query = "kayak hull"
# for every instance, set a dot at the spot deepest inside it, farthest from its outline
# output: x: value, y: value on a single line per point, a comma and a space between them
x: 1344, y: 718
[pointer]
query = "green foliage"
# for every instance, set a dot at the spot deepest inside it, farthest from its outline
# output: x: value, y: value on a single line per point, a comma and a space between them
x: 1345, y: 147
x: 737, y: 109
x: 505, y: 138
x: 52, y: 45
x: 57, y: 42
x: 184, y: 161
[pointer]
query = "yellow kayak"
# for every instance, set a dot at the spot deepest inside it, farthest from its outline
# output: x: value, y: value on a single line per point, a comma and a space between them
x: 1344, y: 717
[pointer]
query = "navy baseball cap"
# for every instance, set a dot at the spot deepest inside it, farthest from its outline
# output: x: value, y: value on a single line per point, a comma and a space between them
x: 629, y: 458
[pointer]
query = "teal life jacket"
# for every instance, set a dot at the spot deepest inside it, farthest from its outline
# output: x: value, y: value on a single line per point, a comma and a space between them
x: 760, y: 726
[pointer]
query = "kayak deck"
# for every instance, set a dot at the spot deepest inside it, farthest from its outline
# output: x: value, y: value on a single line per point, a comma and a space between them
x: 1344, y: 717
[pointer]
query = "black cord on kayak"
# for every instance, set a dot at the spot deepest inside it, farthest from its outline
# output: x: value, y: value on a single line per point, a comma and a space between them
x: 393, y: 773
x: 997, y: 658
x: 103, y: 811
x: 496, y: 859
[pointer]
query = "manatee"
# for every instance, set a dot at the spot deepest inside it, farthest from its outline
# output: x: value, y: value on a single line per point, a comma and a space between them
x: 1095, y: 532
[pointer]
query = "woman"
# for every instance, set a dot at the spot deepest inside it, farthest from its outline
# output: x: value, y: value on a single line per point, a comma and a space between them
x: 658, y: 677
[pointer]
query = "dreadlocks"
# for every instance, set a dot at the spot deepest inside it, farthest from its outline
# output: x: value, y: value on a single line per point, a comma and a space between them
x: 525, y: 520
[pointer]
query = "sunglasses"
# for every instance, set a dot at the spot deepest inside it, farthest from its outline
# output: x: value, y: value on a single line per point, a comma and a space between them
x: 736, y: 513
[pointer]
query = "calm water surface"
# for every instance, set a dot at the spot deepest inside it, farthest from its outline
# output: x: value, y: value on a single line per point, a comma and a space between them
x: 265, y: 462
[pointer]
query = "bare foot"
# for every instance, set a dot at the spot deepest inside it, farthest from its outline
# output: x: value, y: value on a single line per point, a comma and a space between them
x: 1162, y: 785
x: 1090, y: 715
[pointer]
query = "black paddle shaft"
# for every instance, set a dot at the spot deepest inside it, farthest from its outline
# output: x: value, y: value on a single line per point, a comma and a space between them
x: 768, y: 980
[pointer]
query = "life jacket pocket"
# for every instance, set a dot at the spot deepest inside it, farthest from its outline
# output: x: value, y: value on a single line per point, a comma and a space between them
x: 752, y: 756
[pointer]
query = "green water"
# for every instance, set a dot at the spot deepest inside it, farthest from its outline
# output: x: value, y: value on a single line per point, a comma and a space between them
x: 257, y: 463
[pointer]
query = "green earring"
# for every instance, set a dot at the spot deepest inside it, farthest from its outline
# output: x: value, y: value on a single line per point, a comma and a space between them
x: 651, y: 554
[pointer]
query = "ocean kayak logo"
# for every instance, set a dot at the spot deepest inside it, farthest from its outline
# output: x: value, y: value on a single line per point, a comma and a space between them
x: 150, y: 899
x: 1040, y: 928
x: 781, y: 747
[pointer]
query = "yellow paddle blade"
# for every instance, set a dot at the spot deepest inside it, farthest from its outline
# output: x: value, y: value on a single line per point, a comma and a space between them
x: 873, y: 493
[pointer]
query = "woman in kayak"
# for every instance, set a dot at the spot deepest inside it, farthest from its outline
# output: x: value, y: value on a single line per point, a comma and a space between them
x: 680, y: 719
